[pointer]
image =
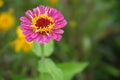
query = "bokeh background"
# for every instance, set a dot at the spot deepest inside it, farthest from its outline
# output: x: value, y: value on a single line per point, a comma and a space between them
x: 92, y: 35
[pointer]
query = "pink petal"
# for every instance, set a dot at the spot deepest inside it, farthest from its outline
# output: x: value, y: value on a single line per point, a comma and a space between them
x: 36, y: 11
x: 29, y: 39
x: 58, y: 38
x: 47, y: 10
x: 34, y: 35
x: 37, y: 38
x: 24, y: 19
x: 27, y: 33
x: 52, y: 12
x: 29, y: 14
x: 58, y: 16
x: 53, y: 35
x: 42, y: 9
x: 25, y: 27
x: 58, y: 19
x: 25, y: 23
x: 47, y: 39
x: 41, y: 40
x: 44, y: 39
x: 60, y: 24
x: 59, y: 31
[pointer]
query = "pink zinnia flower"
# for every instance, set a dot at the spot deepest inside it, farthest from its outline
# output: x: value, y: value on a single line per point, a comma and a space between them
x: 42, y: 24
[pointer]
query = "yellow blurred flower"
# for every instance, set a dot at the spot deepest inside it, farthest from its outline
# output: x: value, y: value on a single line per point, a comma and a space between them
x: 7, y: 20
x: 72, y: 23
x: 53, y: 2
x: 20, y: 42
x: 1, y: 3
x: 19, y: 32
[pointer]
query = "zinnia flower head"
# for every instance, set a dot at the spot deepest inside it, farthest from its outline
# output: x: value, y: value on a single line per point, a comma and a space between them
x: 43, y: 24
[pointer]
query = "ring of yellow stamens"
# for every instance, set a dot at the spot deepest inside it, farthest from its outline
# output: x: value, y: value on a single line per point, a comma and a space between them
x: 43, y: 24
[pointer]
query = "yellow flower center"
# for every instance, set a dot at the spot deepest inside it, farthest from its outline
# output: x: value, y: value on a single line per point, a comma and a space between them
x: 43, y: 24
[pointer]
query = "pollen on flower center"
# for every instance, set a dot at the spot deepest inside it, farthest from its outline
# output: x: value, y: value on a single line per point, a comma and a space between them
x: 43, y: 24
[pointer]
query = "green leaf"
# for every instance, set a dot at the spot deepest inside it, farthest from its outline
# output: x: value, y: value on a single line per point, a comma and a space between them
x: 33, y: 78
x: 48, y: 48
x: 37, y: 49
x: 48, y: 66
x: 72, y: 68
x: 46, y: 76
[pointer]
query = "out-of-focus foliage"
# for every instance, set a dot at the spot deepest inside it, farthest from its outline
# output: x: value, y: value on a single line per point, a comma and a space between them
x: 91, y: 36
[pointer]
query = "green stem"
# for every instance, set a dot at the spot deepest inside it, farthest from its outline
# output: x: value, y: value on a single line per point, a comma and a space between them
x: 42, y: 58
x: 42, y: 50
x: 42, y: 76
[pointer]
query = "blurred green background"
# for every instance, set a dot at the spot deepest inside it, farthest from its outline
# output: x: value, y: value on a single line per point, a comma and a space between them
x: 92, y: 35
